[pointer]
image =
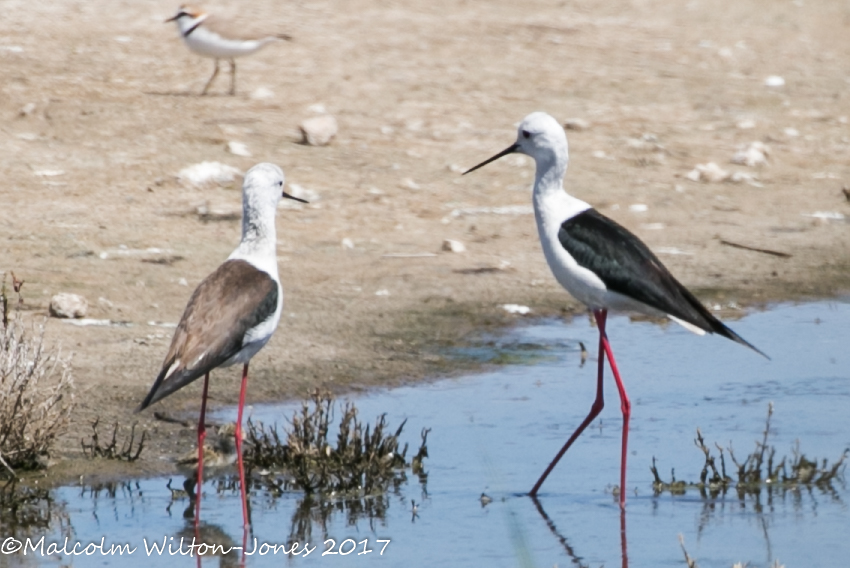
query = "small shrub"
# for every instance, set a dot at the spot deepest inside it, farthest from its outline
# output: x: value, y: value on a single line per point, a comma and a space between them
x: 366, y: 458
x: 35, y: 389
x: 759, y: 470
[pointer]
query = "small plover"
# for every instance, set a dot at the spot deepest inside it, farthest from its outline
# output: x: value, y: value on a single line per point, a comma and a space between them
x: 213, y: 37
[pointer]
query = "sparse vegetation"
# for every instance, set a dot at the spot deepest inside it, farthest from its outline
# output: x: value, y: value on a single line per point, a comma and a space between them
x: 111, y: 451
x: 35, y: 388
x: 365, y: 460
x: 759, y: 470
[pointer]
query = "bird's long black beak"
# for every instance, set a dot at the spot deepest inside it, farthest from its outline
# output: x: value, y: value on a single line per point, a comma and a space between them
x: 172, y: 18
x: 286, y: 195
x: 504, y: 152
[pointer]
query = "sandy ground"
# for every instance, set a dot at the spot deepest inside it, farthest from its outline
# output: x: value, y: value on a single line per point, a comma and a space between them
x: 421, y: 91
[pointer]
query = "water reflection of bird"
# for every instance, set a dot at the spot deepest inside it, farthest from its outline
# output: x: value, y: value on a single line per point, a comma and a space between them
x: 176, y: 493
x: 583, y: 354
x: 600, y: 263
x: 220, y: 453
x: 232, y: 314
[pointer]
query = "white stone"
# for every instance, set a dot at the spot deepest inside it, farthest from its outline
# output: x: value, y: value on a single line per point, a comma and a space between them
x: 451, y: 245
x: 709, y: 172
x: 319, y: 130
x: 382, y: 292
x: 408, y: 183
x: 638, y: 208
x: 516, y: 309
x: 826, y: 215
x: 207, y: 174
x: 791, y: 132
x: 238, y: 149
x: 27, y: 109
x: 577, y: 124
x: 262, y: 94
x: 347, y: 243
x: 774, y: 81
x: 745, y: 124
x: 64, y: 305
x: 752, y: 155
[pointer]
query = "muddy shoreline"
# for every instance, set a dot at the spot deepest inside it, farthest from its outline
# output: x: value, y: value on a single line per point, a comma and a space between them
x: 97, y: 124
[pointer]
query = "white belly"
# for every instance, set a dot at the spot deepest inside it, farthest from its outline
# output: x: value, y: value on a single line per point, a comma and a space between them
x: 203, y: 42
x: 258, y: 336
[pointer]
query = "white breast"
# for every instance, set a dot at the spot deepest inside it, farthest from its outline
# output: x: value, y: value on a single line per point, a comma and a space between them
x: 551, y: 209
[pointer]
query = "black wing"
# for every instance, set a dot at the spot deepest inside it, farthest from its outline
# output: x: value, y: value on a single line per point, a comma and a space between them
x: 628, y: 267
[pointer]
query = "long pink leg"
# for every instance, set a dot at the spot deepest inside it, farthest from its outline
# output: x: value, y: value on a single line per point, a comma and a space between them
x: 239, y: 444
x: 595, y: 409
x: 202, y: 434
x: 626, y: 409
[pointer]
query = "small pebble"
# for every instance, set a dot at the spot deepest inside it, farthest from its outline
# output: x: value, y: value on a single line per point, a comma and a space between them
x: 262, y: 94
x: 408, y: 183
x: 752, y: 155
x: 451, y: 245
x: 27, y: 109
x: 516, y: 309
x: 238, y: 149
x: 319, y: 130
x: 577, y: 124
x: 64, y: 305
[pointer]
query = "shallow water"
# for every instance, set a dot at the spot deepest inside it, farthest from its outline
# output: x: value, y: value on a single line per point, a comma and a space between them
x: 495, y: 433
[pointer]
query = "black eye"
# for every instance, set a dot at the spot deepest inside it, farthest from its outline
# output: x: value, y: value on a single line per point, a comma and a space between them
x: 280, y: 184
x: 526, y: 134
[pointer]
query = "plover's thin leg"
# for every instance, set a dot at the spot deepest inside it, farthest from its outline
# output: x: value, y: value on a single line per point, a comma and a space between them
x: 232, y: 77
x: 215, y: 72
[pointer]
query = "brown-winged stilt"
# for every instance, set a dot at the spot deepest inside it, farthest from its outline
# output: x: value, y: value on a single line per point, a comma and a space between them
x: 233, y: 312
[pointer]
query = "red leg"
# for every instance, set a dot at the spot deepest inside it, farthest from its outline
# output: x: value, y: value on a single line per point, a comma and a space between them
x: 623, y: 542
x: 202, y: 434
x: 239, y: 444
x: 595, y: 409
x: 626, y: 408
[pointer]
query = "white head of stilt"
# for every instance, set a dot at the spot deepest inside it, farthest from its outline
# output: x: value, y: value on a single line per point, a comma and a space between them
x: 541, y: 136
x: 261, y: 192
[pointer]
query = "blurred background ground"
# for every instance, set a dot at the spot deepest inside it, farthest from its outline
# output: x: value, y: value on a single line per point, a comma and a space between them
x: 99, y: 111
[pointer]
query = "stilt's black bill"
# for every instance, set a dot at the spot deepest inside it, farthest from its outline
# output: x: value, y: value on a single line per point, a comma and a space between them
x: 286, y: 195
x: 504, y: 152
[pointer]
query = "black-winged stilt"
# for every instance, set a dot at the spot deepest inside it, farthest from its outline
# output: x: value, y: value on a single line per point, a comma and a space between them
x: 600, y: 263
x: 233, y: 312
